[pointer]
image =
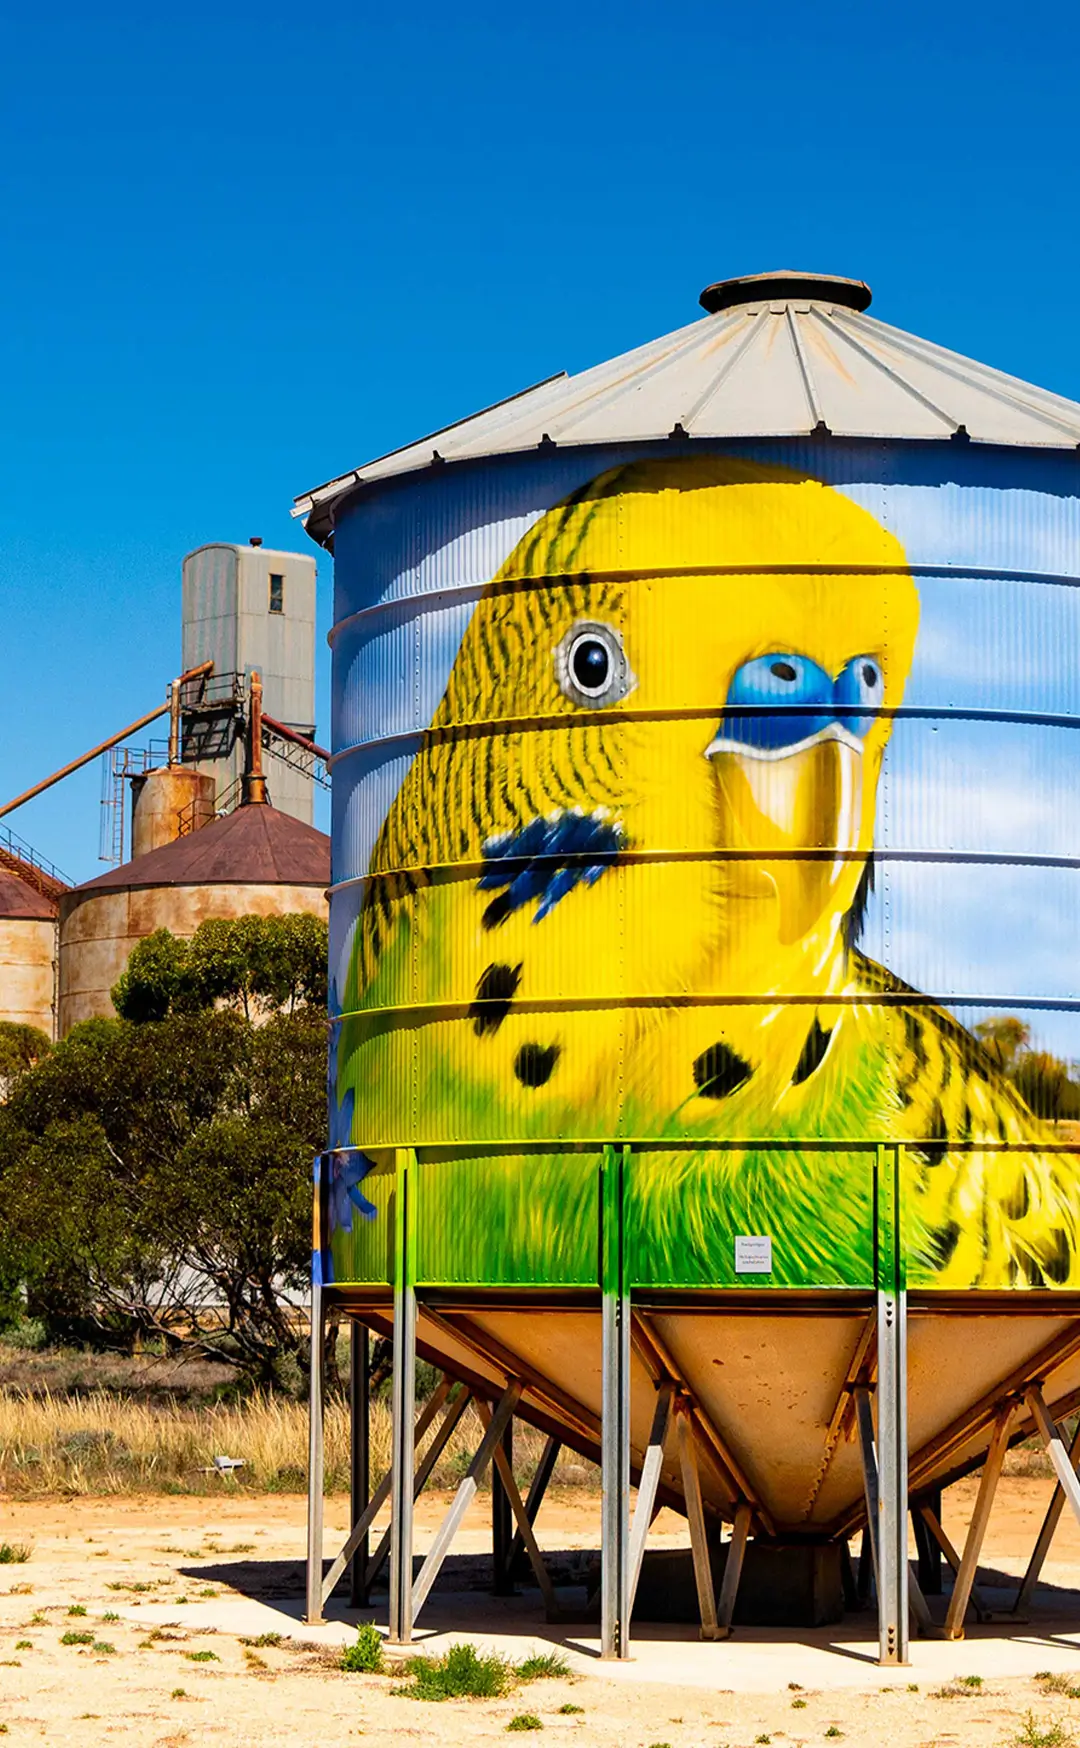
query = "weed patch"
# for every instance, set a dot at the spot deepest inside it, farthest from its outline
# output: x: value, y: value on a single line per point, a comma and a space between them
x: 14, y: 1553
x: 77, y: 1639
x: 459, y: 1673
x: 525, y: 1721
x: 544, y: 1666
x: 1052, y: 1733
x: 365, y: 1657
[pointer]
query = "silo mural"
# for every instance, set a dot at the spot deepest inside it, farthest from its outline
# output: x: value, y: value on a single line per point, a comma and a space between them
x: 704, y: 918
x: 627, y: 886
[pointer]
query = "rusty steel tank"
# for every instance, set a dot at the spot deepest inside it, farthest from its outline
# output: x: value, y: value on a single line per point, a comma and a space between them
x: 255, y: 861
x: 29, y: 907
x: 168, y: 803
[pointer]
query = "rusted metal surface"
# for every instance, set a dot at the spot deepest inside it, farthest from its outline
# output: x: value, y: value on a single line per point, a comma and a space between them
x: 162, y: 801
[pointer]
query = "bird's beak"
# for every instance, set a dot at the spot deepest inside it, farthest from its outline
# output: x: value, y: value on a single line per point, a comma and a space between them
x: 793, y: 814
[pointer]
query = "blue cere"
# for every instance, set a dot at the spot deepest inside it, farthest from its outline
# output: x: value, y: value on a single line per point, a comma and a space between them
x: 545, y: 860
x: 789, y: 698
x: 862, y: 682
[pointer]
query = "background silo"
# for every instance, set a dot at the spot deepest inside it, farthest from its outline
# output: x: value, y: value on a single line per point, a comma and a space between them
x: 255, y: 861
x: 250, y: 608
x: 28, y: 946
x: 704, y: 732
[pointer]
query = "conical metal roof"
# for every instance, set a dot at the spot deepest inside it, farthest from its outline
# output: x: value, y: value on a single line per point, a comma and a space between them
x: 253, y: 846
x: 779, y: 355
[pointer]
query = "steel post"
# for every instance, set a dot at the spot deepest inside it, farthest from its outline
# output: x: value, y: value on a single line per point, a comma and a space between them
x: 313, y: 1611
x: 892, y: 1573
x: 615, y: 1418
x: 359, y: 1455
x: 403, y: 1406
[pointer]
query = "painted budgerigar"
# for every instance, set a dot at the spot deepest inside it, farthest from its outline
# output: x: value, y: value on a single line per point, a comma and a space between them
x: 620, y: 889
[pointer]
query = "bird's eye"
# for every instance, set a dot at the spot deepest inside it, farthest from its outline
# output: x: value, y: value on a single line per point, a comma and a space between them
x: 788, y: 699
x: 860, y: 683
x: 591, y: 665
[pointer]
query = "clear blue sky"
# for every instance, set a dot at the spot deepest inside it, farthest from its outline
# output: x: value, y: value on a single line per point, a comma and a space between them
x: 247, y: 247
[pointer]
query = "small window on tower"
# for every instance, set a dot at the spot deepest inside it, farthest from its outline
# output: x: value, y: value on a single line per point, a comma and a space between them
x: 277, y: 593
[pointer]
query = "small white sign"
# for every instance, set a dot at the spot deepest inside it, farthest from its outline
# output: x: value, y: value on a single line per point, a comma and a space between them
x: 753, y: 1256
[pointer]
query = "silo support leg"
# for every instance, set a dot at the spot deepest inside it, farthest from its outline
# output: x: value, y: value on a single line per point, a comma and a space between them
x: 463, y: 1498
x: 615, y: 1476
x: 402, y: 1461
x: 733, y: 1565
x: 647, y: 1485
x: 427, y: 1463
x: 695, y: 1516
x: 1046, y: 1536
x: 358, y: 1533
x: 313, y: 1610
x: 359, y: 1457
x: 538, y: 1486
x: 893, y: 1576
x: 969, y: 1561
x: 933, y: 1523
x: 1050, y: 1434
x: 517, y: 1506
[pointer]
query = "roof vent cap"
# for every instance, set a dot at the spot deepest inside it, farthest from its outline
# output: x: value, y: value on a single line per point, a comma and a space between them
x: 853, y: 294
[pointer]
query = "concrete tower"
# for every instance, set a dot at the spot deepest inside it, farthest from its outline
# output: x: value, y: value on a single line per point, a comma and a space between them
x: 247, y: 608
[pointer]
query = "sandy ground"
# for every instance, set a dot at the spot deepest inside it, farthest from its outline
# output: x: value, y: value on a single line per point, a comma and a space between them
x: 169, y: 1585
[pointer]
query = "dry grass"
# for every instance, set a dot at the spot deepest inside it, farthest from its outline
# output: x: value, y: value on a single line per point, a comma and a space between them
x: 102, y: 1443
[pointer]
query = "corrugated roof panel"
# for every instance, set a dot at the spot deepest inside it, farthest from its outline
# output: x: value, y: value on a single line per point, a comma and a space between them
x: 857, y: 399
x: 762, y: 366
x: 983, y: 402
x: 764, y: 394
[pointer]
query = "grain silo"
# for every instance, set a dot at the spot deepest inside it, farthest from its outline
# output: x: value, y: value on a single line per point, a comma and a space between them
x: 29, y: 904
x: 703, y: 927
x: 255, y: 861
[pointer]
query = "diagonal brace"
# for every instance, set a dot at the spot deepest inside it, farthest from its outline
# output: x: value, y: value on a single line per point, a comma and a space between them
x: 538, y: 1486
x: 695, y: 1513
x: 431, y: 1456
x: 1046, y: 1535
x: 1068, y: 1480
x: 864, y: 1421
x: 934, y: 1525
x: 733, y: 1565
x: 381, y: 1494
x: 648, y: 1484
x: 465, y: 1495
x: 525, y: 1528
x: 980, y: 1517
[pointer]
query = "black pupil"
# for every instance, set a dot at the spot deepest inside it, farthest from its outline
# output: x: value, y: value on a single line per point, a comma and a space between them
x: 869, y: 674
x: 591, y: 663
x: 783, y: 671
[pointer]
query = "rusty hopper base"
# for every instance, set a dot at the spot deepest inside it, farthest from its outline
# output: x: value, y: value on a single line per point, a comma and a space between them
x: 783, y: 1415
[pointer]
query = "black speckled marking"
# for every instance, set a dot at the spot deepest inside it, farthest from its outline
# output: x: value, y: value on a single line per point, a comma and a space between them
x: 534, y: 1064
x: 813, y: 1053
x: 719, y: 1070
x: 494, y: 993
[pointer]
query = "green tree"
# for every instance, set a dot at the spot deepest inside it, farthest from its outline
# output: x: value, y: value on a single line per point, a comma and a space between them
x: 20, y: 1047
x: 1046, y: 1086
x: 156, y: 1178
x: 1004, y: 1037
x: 258, y: 965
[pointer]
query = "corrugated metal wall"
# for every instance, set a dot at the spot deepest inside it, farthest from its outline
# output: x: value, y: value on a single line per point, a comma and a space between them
x: 646, y: 995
